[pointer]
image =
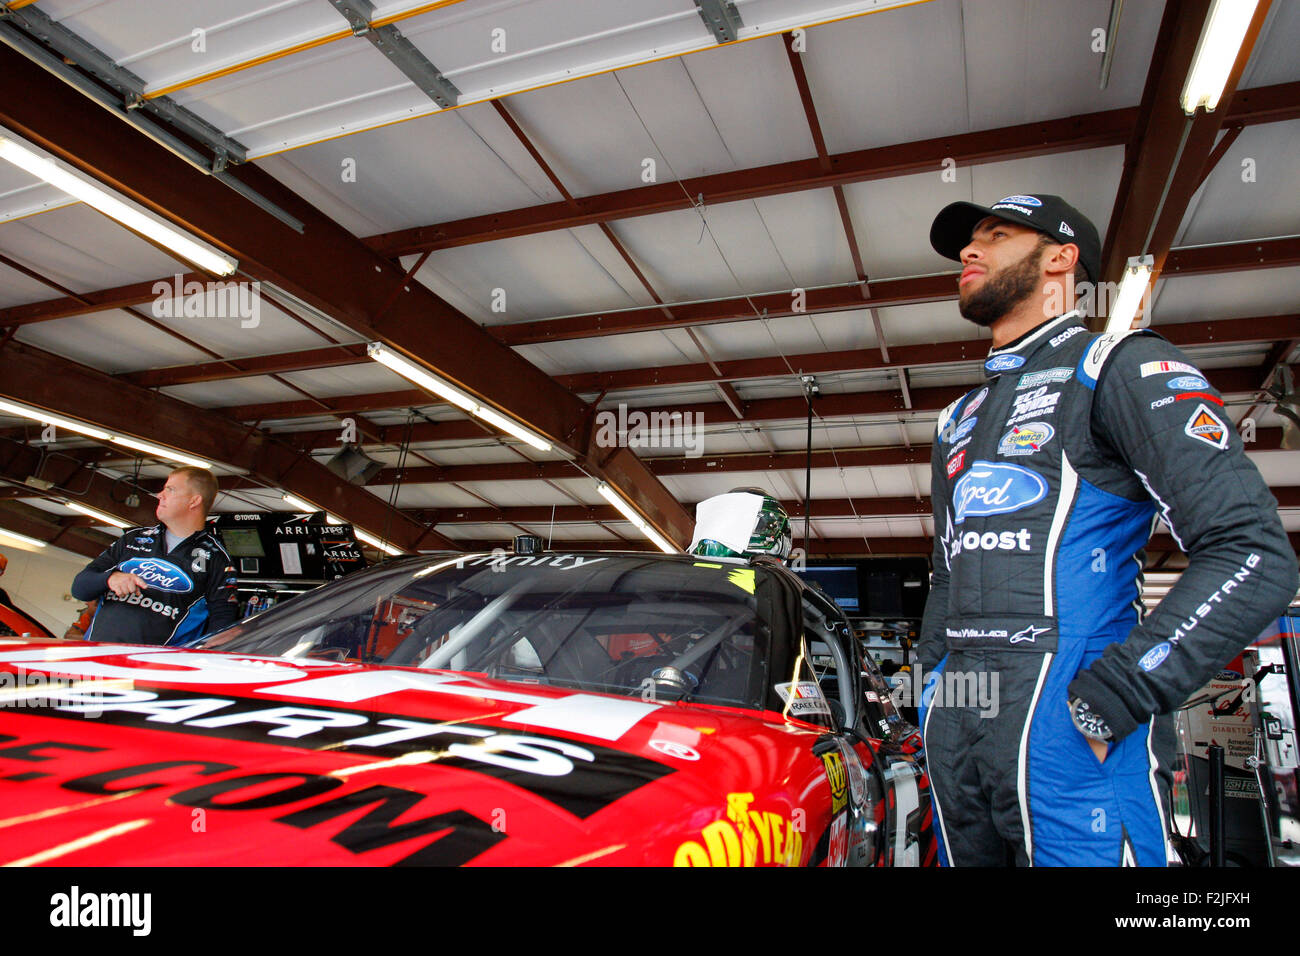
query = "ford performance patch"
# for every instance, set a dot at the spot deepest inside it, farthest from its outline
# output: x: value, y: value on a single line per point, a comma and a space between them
x: 159, y: 574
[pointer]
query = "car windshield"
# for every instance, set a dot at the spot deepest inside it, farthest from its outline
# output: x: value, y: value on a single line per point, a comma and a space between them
x: 610, y: 623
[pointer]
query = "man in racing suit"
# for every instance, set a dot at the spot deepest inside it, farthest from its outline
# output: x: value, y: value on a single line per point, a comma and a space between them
x: 1048, y: 481
x: 166, y: 584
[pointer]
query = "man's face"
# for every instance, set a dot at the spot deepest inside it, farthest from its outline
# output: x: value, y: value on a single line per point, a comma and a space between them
x: 1000, y: 270
x: 175, y: 499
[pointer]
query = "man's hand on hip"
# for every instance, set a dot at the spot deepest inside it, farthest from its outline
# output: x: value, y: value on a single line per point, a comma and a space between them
x: 124, y: 584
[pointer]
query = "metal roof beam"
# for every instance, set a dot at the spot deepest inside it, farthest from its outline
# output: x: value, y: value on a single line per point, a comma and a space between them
x: 74, y: 480
x: 1191, y: 260
x: 43, y: 526
x: 30, y: 375
x: 1185, y: 335
x: 722, y: 18
x: 943, y: 353
x: 1266, y: 439
x: 401, y: 52
x: 333, y: 272
x: 75, y: 50
x: 1087, y: 131
x: 1168, y: 150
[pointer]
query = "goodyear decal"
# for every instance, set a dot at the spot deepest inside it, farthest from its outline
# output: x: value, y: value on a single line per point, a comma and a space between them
x: 745, y: 837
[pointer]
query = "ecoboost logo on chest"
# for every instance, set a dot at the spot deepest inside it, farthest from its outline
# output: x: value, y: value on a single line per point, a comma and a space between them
x: 159, y: 574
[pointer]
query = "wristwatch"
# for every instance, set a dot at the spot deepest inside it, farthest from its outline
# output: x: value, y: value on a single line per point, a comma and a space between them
x: 1089, y: 723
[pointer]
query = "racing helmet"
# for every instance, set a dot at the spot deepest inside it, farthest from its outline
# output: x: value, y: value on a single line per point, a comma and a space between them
x: 770, y: 533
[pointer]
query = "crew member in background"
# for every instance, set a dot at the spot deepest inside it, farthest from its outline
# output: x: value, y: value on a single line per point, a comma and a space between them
x: 166, y: 584
x: 77, y: 632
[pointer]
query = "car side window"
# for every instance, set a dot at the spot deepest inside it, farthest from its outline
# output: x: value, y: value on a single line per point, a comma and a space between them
x: 802, y: 692
x: 823, y: 631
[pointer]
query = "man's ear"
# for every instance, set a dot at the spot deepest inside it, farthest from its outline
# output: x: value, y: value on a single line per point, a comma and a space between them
x: 1063, y: 260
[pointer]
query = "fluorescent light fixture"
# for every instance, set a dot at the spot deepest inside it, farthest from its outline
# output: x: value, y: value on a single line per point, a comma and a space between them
x: 20, y: 540
x: 1216, y: 51
x: 615, y: 499
x: 158, y: 451
x: 97, y: 515
x: 97, y: 196
x: 301, y: 504
x: 45, y: 418
x: 374, y: 542
x: 90, y: 431
x: 1132, y: 293
x: 445, y: 390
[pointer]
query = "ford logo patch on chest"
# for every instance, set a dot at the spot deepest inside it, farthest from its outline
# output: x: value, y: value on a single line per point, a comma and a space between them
x: 159, y: 574
x: 995, y: 488
x: 1004, y: 363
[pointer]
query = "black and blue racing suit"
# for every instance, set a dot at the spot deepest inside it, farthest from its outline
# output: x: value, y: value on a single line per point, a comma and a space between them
x: 1048, y: 481
x: 191, y: 589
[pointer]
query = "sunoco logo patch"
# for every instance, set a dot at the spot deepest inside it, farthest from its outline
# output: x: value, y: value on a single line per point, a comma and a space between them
x: 159, y: 574
x: 1026, y: 439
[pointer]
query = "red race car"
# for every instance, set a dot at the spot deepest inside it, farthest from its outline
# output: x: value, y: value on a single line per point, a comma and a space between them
x: 14, y: 623
x: 547, y: 709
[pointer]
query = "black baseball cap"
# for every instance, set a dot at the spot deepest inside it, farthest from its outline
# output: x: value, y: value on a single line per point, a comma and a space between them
x: 1051, y: 215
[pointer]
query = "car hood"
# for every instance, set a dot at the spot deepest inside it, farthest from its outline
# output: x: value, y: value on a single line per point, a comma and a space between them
x: 141, y: 755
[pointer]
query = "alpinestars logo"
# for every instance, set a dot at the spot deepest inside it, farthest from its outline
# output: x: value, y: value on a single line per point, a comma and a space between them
x: 1028, y: 635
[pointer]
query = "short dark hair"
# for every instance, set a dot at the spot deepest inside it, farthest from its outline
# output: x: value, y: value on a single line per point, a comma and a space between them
x: 202, y: 482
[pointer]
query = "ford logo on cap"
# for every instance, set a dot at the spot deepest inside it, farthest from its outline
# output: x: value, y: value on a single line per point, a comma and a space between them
x: 1022, y: 200
x: 159, y: 574
x: 1004, y: 363
x: 996, y: 488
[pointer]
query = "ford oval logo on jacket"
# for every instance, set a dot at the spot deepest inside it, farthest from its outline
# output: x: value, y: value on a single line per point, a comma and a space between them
x: 995, y: 488
x: 1004, y: 363
x: 159, y: 574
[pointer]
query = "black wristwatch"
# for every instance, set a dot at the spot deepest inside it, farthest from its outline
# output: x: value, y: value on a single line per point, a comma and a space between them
x: 1089, y: 723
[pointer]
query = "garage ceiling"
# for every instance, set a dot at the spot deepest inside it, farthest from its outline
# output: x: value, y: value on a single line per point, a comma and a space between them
x: 610, y: 211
